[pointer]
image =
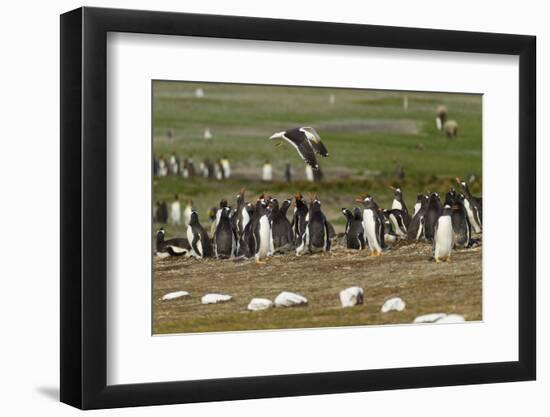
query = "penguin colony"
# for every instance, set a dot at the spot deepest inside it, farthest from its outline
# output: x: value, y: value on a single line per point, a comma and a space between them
x: 261, y: 229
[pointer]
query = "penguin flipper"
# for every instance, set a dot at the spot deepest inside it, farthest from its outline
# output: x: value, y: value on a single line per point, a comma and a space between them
x: 194, y: 244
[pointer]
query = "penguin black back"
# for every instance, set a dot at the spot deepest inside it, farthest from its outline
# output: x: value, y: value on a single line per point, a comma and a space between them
x: 196, y: 234
x: 283, y: 238
x: 432, y: 214
x: 225, y: 239
x: 299, y: 219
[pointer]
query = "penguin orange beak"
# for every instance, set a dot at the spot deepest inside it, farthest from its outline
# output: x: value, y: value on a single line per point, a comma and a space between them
x: 457, y: 180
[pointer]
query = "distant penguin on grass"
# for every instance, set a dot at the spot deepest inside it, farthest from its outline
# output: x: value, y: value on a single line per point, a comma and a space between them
x: 225, y: 238
x: 201, y: 246
x: 473, y: 206
x: 416, y: 231
x: 316, y: 235
x: 283, y: 238
x: 373, y: 224
x: 175, y: 211
x: 443, y: 236
x: 354, y: 234
x: 173, y: 247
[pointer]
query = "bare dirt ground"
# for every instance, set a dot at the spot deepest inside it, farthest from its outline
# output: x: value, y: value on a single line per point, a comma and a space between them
x: 403, y: 271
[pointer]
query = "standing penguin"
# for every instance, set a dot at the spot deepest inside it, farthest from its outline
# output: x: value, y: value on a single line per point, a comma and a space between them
x: 373, y: 224
x: 223, y: 204
x: 398, y: 202
x: 443, y: 236
x: 316, y: 236
x: 299, y: 219
x: 201, y: 246
x: 261, y: 226
x: 415, y: 231
x: 283, y: 239
x: 240, y: 217
x: 461, y: 225
x: 285, y: 206
x: 355, y: 234
x: 175, y: 211
x: 225, y: 238
x: 473, y: 206
x: 418, y: 204
x: 432, y: 213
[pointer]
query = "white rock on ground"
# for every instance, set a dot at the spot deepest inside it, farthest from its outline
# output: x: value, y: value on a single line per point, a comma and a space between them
x: 257, y: 304
x: 215, y: 298
x: 451, y: 318
x: 289, y: 299
x: 174, y: 295
x: 394, y: 303
x: 351, y: 296
x: 429, y: 318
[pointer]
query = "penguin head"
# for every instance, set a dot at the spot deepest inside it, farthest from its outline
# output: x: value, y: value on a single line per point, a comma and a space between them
x: 223, y: 203
x: 347, y: 213
x: 225, y: 212
x: 160, y: 235
x: 450, y: 198
x: 447, y: 210
x: 315, y: 204
x: 194, y: 218
x: 273, y: 204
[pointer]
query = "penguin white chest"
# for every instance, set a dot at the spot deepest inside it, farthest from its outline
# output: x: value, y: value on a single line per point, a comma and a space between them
x: 471, y: 217
x: 369, y: 224
x: 396, y: 204
x: 443, y: 239
x: 245, y: 216
x: 265, y: 237
x: 416, y: 208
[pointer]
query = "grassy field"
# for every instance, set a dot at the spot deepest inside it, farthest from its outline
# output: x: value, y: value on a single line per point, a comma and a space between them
x: 367, y: 134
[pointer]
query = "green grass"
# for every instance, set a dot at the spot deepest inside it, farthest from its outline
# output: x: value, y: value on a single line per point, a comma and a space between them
x: 362, y: 159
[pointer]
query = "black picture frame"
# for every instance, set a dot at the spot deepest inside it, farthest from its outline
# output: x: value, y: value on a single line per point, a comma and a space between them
x: 84, y: 207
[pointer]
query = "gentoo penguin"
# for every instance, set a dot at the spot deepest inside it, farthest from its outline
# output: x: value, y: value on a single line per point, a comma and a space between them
x: 306, y: 141
x: 397, y: 220
x: 415, y: 231
x: 440, y: 117
x: 285, y: 206
x: 261, y: 226
x: 419, y: 199
x: 175, y: 211
x: 214, y: 225
x: 373, y: 224
x: 398, y: 202
x: 226, y: 166
x: 288, y: 173
x: 240, y: 214
x: 389, y: 234
x: 432, y: 213
x: 283, y: 239
x: 267, y: 172
x: 451, y: 129
x: 309, y: 173
x: 225, y: 238
x: 315, y: 238
x: 201, y: 246
x: 443, y: 236
x: 174, y: 247
x: 246, y: 244
x: 473, y: 206
x: 355, y: 235
x: 461, y: 225
x: 299, y: 219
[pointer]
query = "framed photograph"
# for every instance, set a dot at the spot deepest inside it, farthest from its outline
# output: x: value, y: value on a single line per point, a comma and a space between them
x: 258, y: 208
